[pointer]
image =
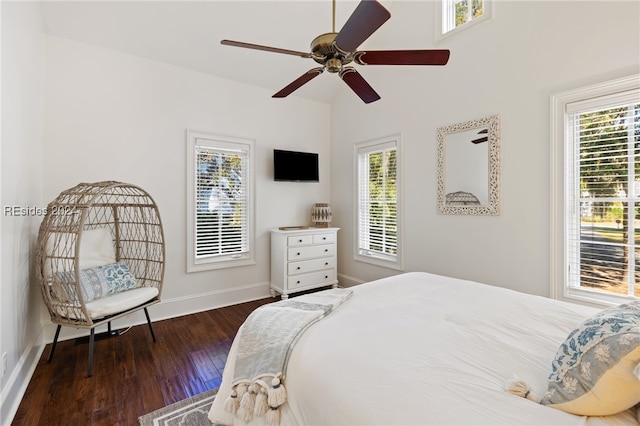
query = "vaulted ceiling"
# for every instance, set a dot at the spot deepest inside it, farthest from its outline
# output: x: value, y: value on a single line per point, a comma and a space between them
x: 188, y: 34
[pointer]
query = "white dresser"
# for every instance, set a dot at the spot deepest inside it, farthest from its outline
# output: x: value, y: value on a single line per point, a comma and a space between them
x: 303, y: 259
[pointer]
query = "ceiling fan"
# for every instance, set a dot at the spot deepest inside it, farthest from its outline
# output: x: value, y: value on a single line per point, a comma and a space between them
x: 335, y: 51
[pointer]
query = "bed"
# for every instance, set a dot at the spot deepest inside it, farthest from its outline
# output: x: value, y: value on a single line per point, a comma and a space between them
x: 424, y: 349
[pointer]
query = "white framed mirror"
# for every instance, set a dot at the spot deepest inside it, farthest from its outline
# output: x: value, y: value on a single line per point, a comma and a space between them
x: 469, y: 167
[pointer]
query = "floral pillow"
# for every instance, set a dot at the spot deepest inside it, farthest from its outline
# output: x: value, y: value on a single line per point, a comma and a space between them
x: 596, y: 371
x: 99, y: 281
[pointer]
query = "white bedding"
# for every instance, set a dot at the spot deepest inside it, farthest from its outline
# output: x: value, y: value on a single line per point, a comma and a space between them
x: 423, y: 349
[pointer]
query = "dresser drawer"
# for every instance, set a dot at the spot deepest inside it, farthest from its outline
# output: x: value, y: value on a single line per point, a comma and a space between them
x: 299, y: 240
x: 312, y: 278
x: 305, y: 266
x: 310, y: 252
x: 324, y: 238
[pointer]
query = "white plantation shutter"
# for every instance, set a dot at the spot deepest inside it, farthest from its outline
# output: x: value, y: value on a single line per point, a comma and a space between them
x: 377, y: 213
x: 220, y: 213
x: 221, y: 194
x: 602, y: 170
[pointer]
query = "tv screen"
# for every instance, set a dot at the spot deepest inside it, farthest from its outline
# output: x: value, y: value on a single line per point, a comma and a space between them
x: 295, y: 166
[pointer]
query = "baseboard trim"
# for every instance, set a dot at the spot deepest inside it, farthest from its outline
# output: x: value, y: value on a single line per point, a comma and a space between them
x: 17, y: 383
x: 347, y: 281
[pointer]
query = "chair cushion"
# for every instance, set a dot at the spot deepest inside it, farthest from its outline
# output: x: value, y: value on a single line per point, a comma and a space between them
x: 120, y: 302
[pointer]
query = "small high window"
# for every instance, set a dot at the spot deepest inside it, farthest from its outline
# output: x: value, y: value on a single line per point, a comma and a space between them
x: 455, y: 15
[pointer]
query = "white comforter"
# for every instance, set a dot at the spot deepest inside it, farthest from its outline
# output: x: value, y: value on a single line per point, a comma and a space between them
x: 423, y: 349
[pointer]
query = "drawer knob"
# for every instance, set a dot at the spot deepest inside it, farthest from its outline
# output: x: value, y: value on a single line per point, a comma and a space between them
x: 326, y: 263
x: 298, y: 268
x: 326, y: 276
x: 298, y: 282
x: 326, y: 250
x: 299, y: 241
x: 298, y: 254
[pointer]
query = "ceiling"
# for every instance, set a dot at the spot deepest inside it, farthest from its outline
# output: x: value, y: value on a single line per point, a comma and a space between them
x: 188, y: 34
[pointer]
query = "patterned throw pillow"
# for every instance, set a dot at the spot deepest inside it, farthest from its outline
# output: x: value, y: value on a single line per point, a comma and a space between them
x: 99, y: 281
x: 596, y: 371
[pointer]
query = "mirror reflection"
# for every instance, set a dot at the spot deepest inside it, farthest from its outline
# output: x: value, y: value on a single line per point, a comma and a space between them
x: 467, y: 171
x: 468, y: 175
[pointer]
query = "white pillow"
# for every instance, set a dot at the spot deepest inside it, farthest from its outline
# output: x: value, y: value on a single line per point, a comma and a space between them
x: 96, y: 248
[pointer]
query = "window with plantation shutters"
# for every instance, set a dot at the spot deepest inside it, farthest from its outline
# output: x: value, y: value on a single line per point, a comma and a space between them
x: 602, y: 193
x: 220, y: 213
x: 378, y: 189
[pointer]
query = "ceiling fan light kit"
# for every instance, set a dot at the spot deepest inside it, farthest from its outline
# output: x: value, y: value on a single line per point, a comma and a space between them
x: 334, y: 51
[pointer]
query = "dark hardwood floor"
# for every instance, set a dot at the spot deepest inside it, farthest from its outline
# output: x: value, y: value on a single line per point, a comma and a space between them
x: 132, y: 374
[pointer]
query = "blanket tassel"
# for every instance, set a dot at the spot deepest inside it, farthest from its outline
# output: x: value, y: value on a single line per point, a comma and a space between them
x: 277, y: 394
x: 521, y: 388
x: 231, y: 403
x: 273, y: 416
x: 248, y: 403
x: 262, y: 405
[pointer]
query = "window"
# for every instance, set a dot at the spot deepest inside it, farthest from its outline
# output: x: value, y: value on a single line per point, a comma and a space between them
x: 597, y: 191
x: 378, y: 188
x: 455, y: 15
x: 219, y: 202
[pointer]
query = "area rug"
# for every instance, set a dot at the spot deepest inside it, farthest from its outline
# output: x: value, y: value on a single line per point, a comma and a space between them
x: 188, y: 412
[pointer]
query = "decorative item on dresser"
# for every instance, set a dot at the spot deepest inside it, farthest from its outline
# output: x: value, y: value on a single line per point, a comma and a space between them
x: 321, y: 215
x: 303, y: 259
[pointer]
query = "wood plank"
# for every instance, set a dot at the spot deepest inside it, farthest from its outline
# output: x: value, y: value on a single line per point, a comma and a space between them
x: 132, y: 375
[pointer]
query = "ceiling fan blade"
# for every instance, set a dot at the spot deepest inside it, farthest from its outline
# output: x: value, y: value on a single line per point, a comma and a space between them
x: 364, y: 21
x: 299, y: 82
x: 484, y: 139
x: 265, y: 48
x: 359, y: 85
x: 403, y: 57
x: 480, y: 140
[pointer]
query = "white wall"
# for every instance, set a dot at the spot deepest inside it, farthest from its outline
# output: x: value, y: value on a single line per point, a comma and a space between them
x: 508, y: 66
x: 113, y: 116
x: 21, y: 183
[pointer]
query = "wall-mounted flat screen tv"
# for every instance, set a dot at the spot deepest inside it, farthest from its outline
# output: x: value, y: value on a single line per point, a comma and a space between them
x: 293, y: 166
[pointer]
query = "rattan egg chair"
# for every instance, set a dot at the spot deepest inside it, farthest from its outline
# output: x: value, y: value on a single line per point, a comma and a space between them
x: 100, y: 256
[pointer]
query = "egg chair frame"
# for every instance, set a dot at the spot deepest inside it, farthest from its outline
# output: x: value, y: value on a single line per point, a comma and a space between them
x: 130, y: 217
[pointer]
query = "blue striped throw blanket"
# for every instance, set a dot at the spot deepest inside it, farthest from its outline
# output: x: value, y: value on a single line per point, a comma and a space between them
x: 265, y: 343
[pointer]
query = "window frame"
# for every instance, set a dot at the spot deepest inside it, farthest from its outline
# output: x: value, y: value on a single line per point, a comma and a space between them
x: 387, y: 261
x: 221, y: 142
x: 561, y: 104
x: 444, y: 12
